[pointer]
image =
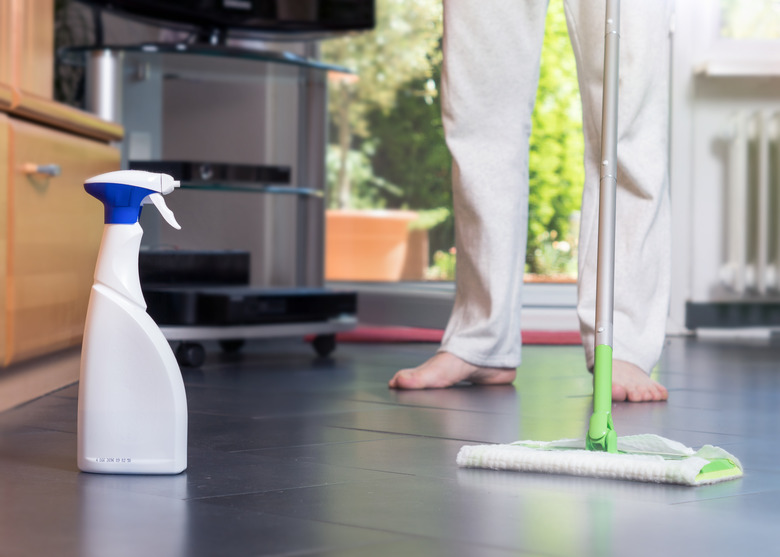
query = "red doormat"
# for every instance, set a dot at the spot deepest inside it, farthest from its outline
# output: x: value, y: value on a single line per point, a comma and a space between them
x: 413, y: 334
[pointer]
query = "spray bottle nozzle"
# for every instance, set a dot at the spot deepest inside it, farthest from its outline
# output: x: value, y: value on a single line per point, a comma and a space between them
x: 123, y: 192
x: 166, y: 213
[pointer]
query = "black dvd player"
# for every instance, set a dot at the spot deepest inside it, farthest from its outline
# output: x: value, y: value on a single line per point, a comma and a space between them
x: 245, y: 305
x: 191, y: 172
x: 169, y: 267
x: 191, y: 288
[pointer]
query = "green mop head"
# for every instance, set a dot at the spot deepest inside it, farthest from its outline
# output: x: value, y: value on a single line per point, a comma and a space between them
x: 644, y: 458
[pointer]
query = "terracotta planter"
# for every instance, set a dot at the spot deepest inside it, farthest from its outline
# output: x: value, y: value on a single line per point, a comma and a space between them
x: 372, y: 245
x: 417, y: 259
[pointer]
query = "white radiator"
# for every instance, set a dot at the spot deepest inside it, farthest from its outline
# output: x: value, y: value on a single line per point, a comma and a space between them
x: 752, y: 205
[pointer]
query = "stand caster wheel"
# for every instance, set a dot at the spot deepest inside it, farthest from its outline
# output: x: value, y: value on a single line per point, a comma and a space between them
x: 324, y: 345
x: 190, y: 354
x: 232, y: 345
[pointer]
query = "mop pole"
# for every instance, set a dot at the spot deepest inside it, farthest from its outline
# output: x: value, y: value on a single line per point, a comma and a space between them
x: 601, y: 433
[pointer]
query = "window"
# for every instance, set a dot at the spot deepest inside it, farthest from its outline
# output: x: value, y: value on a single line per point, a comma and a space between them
x: 756, y: 19
x: 390, y: 206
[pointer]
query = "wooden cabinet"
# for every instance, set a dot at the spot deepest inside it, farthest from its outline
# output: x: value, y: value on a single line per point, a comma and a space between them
x: 53, y: 232
x: 27, y: 46
x: 6, y: 76
x: 50, y: 229
x: 33, y: 46
x: 27, y: 71
x: 5, y: 129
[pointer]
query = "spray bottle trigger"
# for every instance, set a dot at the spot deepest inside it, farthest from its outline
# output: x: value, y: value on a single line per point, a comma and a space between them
x: 166, y: 213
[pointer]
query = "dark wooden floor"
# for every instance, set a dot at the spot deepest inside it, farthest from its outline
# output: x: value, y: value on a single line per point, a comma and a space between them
x: 290, y: 455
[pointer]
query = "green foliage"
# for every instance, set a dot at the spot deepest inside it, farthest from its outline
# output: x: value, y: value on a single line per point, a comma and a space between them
x: 556, y: 153
x: 402, y: 47
x: 369, y: 191
x: 411, y: 152
x: 407, y: 147
x: 430, y: 218
x: 443, y: 267
x: 552, y: 257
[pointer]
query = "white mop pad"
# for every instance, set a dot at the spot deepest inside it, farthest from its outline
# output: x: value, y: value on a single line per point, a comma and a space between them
x: 645, y: 458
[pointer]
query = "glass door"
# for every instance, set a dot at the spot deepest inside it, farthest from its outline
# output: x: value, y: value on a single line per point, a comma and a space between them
x: 389, y: 224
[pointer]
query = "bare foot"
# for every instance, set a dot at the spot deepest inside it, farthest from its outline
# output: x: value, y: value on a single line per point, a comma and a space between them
x: 632, y: 384
x: 445, y: 369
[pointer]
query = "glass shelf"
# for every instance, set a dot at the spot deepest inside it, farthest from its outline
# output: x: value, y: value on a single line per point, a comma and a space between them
x: 187, y: 108
x: 251, y: 188
x: 201, y: 62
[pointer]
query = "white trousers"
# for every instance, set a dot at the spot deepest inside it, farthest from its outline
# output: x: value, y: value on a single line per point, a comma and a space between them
x: 490, y: 74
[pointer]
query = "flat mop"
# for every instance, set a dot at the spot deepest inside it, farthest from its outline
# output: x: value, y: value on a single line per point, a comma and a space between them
x: 646, y: 458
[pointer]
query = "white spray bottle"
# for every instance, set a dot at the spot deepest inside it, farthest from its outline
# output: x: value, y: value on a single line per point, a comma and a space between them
x: 132, y: 416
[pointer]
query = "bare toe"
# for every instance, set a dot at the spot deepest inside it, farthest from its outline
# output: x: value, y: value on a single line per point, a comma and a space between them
x: 407, y: 379
x: 630, y: 383
x: 619, y: 393
x: 445, y: 370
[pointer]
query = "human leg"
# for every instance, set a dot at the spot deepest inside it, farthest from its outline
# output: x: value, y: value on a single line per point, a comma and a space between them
x: 489, y: 79
x: 642, y: 245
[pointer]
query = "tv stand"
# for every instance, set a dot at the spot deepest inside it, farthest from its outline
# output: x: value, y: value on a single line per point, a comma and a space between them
x: 279, y: 215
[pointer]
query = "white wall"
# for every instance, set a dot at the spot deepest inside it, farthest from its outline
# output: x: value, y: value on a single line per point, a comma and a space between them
x: 713, y: 79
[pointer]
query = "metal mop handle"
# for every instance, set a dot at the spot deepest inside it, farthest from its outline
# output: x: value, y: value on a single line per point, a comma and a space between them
x: 601, y: 434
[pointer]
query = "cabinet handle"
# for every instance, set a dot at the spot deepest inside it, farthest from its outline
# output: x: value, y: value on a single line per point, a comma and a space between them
x: 48, y: 169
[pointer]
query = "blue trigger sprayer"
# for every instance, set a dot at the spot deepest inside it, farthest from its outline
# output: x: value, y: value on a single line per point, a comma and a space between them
x: 132, y: 416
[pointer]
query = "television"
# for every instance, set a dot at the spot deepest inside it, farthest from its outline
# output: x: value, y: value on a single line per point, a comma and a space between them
x: 250, y: 16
